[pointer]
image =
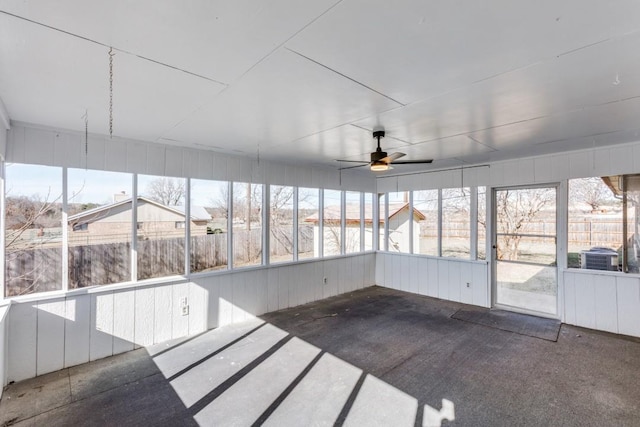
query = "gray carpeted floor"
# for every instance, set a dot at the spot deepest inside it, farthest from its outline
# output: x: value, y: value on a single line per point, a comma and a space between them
x: 372, y: 357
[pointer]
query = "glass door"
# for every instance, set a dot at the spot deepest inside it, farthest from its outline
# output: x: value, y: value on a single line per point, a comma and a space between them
x: 524, y: 249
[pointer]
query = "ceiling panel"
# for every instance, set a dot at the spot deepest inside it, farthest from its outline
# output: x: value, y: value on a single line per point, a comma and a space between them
x: 559, y: 85
x: 284, y: 98
x: 64, y: 77
x: 418, y: 49
x: 589, y: 122
x: 217, y: 39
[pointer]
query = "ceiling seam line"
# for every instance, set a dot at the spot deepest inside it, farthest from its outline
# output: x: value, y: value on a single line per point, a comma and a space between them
x: 347, y: 77
x: 69, y: 33
x: 286, y: 41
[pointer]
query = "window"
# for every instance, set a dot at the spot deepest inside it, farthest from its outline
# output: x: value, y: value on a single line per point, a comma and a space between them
x: 209, y: 213
x: 398, y: 222
x: 247, y: 224
x: 99, y: 204
x: 160, y: 243
x: 139, y: 225
x: 382, y: 219
x: 281, y: 224
x: 33, y: 229
x: 456, y: 231
x: 482, y: 223
x: 604, y: 221
x: 368, y: 222
x: 180, y: 224
x: 80, y: 227
x: 352, y: 229
x: 426, y: 202
x: 332, y: 222
x: 308, y: 223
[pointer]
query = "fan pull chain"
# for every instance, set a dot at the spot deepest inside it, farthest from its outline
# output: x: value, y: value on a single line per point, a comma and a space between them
x: 86, y: 138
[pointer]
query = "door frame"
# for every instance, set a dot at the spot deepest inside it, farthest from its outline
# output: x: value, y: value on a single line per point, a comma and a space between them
x: 561, y: 191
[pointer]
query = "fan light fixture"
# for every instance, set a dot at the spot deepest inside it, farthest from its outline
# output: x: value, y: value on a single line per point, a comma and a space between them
x: 378, y: 166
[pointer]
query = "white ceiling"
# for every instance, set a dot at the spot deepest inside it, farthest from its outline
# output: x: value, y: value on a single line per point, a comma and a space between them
x: 304, y: 82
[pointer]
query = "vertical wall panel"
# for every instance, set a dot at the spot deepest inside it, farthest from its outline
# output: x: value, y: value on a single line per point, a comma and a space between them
x: 559, y: 168
x: 570, y: 298
x: 136, y: 157
x: 155, y: 159
x: 190, y: 164
x: 526, y: 171
x: 96, y: 158
x: 423, y: 276
x: 101, y: 333
x: 180, y: 322
x: 116, y: 155
x: 414, y: 276
x: 628, y: 305
x: 402, y: 272
x: 443, y: 279
x: 239, y: 301
x: 69, y: 150
x: 283, y: 288
x: 466, y: 282
x: 261, y: 288
x: 331, y: 273
x: 212, y: 288
x: 479, y: 285
x: 40, y: 146
x: 602, y: 165
x: 580, y: 164
x: 542, y: 170
x: 585, y: 301
x: 433, y: 279
x: 622, y: 157
x: 379, y: 267
x: 163, y: 313
x: 22, y: 337
x: 198, y: 308
x: 123, y: 321
x: 606, y: 305
x: 225, y: 301
x: 77, y: 331
x: 173, y: 161
x: 454, y: 281
x: 318, y: 286
x: 50, y: 336
x: 272, y: 289
x: 144, y: 316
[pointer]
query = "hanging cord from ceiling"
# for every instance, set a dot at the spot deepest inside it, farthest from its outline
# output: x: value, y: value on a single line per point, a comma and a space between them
x: 111, y: 55
x: 86, y: 138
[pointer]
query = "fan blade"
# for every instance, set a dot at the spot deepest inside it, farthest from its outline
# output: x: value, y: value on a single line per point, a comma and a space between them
x: 391, y: 157
x: 352, y: 161
x: 353, y: 167
x: 413, y: 162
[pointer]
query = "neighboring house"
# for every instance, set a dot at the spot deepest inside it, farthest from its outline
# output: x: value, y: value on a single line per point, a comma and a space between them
x: 399, y: 217
x: 112, y: 223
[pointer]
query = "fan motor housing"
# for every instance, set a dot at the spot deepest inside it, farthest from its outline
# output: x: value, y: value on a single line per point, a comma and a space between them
x: 377, y: 155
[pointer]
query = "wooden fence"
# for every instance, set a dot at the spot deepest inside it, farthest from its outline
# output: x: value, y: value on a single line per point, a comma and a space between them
x: 40, y: 269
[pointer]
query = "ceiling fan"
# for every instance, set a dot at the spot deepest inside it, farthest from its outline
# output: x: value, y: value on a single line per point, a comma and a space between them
x: 380, y: 161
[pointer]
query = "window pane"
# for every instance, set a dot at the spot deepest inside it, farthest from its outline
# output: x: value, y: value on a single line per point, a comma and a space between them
x: 368, y: 222
x: 33, y: 237
x: 99, y: 227
x: 247, y: 224
x: 281, y: 224
x: 482, y: 222
x: 308, y: 209
x: 595, y: 224
x: 331, y: 222
x: 426, y: 202
x: 160, y: 243
x: 382, y: 238
x: 352, y: 229
x: 632, y: 188
x: 456, y: 232
x: 209, y: 211
x: 399, y: 218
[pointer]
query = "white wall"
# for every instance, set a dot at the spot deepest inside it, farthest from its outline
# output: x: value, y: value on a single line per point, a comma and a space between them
x: 607, y: 301
x: 4, y: 311
x: 444, y: 278
x: 48, y: 333
x: 56, y: 147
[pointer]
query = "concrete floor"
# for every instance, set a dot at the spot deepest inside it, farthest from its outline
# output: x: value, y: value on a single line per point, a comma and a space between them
x: 372, y: 357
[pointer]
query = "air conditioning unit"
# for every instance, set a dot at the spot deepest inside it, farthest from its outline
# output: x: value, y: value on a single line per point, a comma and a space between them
x: 599, y: 259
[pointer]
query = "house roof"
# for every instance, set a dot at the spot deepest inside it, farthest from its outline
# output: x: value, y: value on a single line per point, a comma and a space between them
x: 198, y: 213
x: 352, y: 211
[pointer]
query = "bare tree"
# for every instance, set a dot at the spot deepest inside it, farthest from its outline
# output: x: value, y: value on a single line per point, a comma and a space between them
x: 281, y: 216
x: 168, y: 191
x: 592, y: 191
x: 514, y: 211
